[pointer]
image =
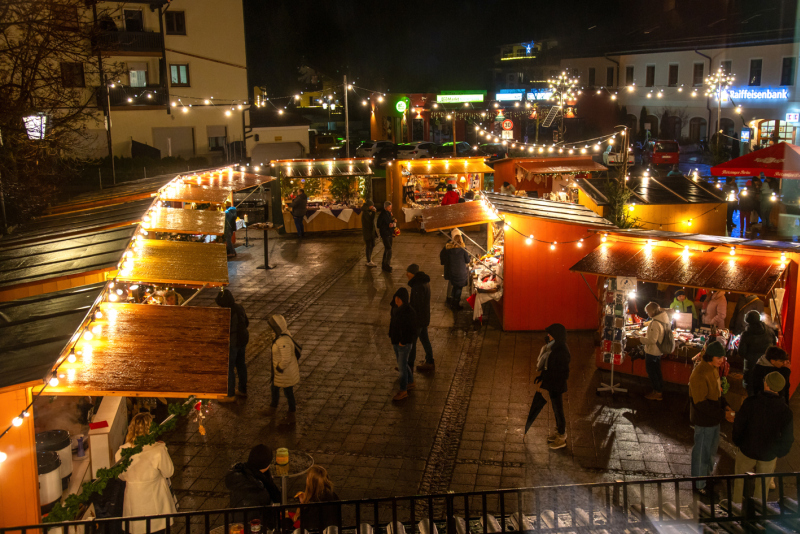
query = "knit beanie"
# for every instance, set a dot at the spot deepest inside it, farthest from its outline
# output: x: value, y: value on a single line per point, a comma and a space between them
x: 368, y: 203
x: 713, y: 350
x: 260, y: 457
x: 413, y: 268
x: 753, y: 317
x: 775, y: 381
x: 680, y: 293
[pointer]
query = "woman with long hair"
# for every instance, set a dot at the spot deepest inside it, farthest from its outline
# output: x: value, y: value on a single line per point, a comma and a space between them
x: 319, y: 488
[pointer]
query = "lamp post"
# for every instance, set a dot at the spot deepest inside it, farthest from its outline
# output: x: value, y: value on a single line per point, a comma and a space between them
x: 563, y: 88
x: 718, y: 84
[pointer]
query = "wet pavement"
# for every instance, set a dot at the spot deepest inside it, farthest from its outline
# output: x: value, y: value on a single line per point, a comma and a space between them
x: 461, y: 428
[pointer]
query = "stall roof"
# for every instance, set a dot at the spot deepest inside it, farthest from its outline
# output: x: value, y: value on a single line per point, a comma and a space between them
x: 78, y: 222
x: 35, y: 331
x: 56, y: 258
x: 559, y: 165
x: 445, y: 166
x: 547, y: 209
x: 454, y: 215
x: 179, y: 263
x: 781, y: 160
x: 203, y: 194
x: 184, y: 221
x: 116, y: 194
x: 668, y: 265
x: 777, y: 246
x: 327, y: 167
x: 154, y: 351
x: 649, y: 190
x: 226, y: 179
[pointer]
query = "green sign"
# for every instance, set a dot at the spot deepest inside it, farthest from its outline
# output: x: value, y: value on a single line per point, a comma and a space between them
x: 459, y: 98
x: 401, y: 106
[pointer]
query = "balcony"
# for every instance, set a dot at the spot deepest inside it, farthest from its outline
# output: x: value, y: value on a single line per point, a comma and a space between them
x: 129, y: 43
x: 131, y: 98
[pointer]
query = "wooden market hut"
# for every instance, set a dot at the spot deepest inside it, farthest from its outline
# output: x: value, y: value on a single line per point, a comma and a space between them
x: 544, y: 175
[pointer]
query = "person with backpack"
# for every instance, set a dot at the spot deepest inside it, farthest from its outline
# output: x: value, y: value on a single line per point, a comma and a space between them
x: 658, y: 341
x: 285, y: 367
x: 753, y: 344
x: 239, y: 337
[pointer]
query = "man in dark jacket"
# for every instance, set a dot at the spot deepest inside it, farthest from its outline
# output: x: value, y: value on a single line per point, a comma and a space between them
x: 743, y: 305
x: 299, y: 207
x: 774, y: 360
x: 250, y: 483
x: 421, y: 302
x: 386, y: 226
x: 553, y: 366
x: 403, y: 333
x: 764, y: 431
x: 368, y: 213
x: 238, y: 342
x: 753, y: 344
x: 454, y: 257
x: 731, y: 192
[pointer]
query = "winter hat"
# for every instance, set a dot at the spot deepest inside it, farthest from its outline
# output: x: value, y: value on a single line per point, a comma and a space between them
x: 402, y: 294
x: 776, y: 353
x: 753, y: 317
x: 225, y: 299
x: 680, y: 293
x: 775, y: 381
x: 413, y: 268
x: 260, y: 457
x: 714, y: 350
x: 454, y: 233
x: 368, y: 203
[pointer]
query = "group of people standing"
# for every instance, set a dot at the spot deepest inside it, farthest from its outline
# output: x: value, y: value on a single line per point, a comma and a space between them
x: 754, y: 201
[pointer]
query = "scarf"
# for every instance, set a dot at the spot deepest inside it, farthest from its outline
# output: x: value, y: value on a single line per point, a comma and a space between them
x: 544, y: 355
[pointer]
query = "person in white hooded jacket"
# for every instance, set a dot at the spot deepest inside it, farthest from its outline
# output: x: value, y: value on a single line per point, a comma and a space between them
x: 716, y: 310
x: 285, y: 369
x: 658, y: 327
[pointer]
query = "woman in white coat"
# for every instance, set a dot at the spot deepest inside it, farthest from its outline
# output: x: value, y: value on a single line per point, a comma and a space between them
x: 147, y: 490
x: 285, y: 370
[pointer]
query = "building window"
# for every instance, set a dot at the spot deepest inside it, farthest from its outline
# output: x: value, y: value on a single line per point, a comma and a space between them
x: 137, y: 74
x: 217, y: 143
x: 591, y: 76
x: 697, y: 75
x: 134, y: 21
x: 610, y: 76
x: 179, y: 75
x: 787, y: 71
x: 650, y: 79
x: 175, y: 23
x: 727, y: 66
x: 65, y: 17
x: 755, y: 72
x: 673, y: 76
x: 72, y: 75
x: 629, y: 75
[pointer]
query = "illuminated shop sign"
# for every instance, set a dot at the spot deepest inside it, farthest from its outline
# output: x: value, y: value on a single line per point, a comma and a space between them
x: 750, y: 93
x: 459, y: 98
x: 540, y: 95
x: 509, y: 97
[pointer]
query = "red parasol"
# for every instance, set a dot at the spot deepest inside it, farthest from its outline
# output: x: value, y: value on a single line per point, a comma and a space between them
x: 777, y: 161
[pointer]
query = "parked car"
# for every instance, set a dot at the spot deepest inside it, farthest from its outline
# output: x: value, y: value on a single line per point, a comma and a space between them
x: 463, y: 149
x: 385, y: 153
x: 612, y: 157
x: 323, y: 142
x: 336, y: 151
x: 416, y: 150
x: 661, y: 152
x: 493, y: 151
x: 368, y: 149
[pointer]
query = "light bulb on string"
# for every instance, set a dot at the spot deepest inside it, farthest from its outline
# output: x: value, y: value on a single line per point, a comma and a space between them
x: 17, y: 421
x: 529, y: 240
x: 686, y: 251
x: 580, y: 243
x: 71, y: 358
x: 604, y: 238
x: 733, y: 251
x: 53, y: 381
x: 553, y: 245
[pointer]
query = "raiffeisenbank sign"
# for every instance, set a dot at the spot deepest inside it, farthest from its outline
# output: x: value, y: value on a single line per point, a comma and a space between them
x: 757, y: 93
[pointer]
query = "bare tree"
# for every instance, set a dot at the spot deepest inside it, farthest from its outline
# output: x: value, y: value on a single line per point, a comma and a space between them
x: 676, y: 113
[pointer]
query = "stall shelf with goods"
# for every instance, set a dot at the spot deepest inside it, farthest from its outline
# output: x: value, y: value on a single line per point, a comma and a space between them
x: 636, y: 266
x: 336, y: 191
x: 420, y: 184
x: 550, y: 178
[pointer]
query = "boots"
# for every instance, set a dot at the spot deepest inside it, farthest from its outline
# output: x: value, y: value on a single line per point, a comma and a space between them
x: 553, y: 436
x: 560, y: 442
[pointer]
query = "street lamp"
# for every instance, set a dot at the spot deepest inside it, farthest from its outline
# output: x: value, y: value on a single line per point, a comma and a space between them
x: 563, y: 88
x: 717, y: 85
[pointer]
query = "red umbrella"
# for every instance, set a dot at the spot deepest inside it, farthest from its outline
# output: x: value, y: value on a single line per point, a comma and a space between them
x: 777, y: 161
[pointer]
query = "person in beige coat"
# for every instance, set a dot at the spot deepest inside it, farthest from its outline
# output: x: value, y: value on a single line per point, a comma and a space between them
x: 717, y: 309
x: 285, y: 368
x: 146, y: 488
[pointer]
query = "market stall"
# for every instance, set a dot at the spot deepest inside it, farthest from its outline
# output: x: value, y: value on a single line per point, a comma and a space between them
x: 551, y: 177
x: 419, y: 184
x: 629, y: 263
x: 336, y: 190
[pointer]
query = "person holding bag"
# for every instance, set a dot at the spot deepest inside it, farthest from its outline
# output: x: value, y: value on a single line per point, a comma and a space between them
x: 553, y: 367
x: 285, y: 367
x: 658, y: 339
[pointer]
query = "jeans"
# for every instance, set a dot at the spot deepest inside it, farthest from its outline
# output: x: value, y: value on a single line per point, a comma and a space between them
x: 744, y: 221
x: 298, y: 222
x: 706, y: 441
x: 236, y: 362
x: 456, y: 296
x: 748, y: 465
x: 558, y: 412
x: 370, y: 244
x: 406, y: 374
x: 422, y: 336
x: 387, y: 252
x: 276, y: 395
x: 653, y: 366
x: 765, y: 209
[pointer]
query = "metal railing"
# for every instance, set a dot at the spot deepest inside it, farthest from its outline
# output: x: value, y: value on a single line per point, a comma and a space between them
x: 634, y: 506
x: 131, y: 97
x: 129, y: 42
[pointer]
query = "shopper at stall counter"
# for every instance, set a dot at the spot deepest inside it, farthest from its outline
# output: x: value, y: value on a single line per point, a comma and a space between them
x: 285, y: 366
x: 763, y: 431
x: 368, y: 213
x: 386, y: 225
x: 454, y: 257
x: 753, y: 344
x: 250, y: 483
x: 553, y: 367
x: 451, y: 197
x: 507, y: 189
x: 239, y: 337
x: 774, y: 360
x: 146, y: 488
x: 715, y: 309
x: 656, y: 330
x: 403, y: 332
x: 683, y: 305
x: 744, y: 305
x: 299, y: 207
x: 706, y: 410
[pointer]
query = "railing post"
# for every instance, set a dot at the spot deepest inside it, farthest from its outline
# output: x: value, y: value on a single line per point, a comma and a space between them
x: 451, y: 522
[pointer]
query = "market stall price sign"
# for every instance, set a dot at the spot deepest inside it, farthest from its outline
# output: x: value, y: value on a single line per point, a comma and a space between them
x: 626, y: 283
x: 508, y: 124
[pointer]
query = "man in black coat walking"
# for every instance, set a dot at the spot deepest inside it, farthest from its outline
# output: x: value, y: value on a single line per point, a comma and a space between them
x: 403, y: 333
x: 553, y: 366
x: 386, y: 226
x: 368, y: 229
x: 421, y: 302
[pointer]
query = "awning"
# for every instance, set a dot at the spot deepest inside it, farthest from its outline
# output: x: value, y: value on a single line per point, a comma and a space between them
x: 189, y: 193
x: 185, y: 221
x: 226, y: 179
x: 455, y: 215
x: 655, y: 191
x: 559, y: 165
x: 327, y: 167
x: 444, y: 166
x: 777, y: 161
x: 153, y: 351
x: 178, y: 263
x: 564, y: 212
x: 668, y: 265
x: 125, y: 192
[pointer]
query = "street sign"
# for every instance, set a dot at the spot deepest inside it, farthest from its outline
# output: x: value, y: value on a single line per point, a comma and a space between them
x: 508, y: 124
x: 793, y: 117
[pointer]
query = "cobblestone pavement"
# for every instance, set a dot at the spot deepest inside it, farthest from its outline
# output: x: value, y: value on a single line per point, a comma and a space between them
x: 461, y: 429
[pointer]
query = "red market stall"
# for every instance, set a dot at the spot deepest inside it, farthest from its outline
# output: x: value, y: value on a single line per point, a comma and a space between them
x: 781, y: 160
x: 543, y: 177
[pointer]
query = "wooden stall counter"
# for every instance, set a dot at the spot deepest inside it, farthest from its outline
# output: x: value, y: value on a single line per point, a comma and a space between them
x: 324, y: 222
